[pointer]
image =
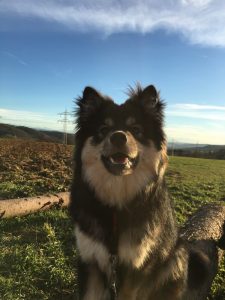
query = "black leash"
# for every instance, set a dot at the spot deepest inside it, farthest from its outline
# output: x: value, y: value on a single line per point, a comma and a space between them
x: 114, y: 258
x: 113, y: 279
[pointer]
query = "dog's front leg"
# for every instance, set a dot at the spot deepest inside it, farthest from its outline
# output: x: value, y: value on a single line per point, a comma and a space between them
x: 93, y: 267
x: 92, y: 283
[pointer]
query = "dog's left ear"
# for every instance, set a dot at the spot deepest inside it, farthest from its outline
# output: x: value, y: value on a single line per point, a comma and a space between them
x: 149, y: 97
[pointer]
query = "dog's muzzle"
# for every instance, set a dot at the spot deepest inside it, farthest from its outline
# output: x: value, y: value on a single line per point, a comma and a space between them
x: 120, y: 156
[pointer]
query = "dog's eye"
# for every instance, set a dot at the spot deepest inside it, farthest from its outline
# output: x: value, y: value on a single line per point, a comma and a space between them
x: 136, y: 129
x: 103, y: 130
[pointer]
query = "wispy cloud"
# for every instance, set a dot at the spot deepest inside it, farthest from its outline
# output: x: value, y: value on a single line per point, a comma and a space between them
x: 189, y: 106
x: 207, y: 123
x: 32, y: 119
x: 197, y: 111
x: 14, y: 57
x: 200, y: 21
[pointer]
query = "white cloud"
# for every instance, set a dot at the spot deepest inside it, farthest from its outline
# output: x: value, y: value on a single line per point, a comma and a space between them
x: 198, y: 3
x: 33, y: 120
x: 188, y: 106
x: 200, y: 21
x: 210, y: 120
x: 197, y: 111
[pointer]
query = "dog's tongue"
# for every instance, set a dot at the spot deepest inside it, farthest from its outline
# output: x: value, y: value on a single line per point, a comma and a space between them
x: 119, y: 158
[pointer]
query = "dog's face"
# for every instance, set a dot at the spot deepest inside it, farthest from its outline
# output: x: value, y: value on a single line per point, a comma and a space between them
x: 121, y: 141
x: 119, y: 152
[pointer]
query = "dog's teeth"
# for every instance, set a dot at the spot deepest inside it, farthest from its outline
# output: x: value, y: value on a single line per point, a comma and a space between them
x: 119, y: 162
x: 128, y: 164
x: 112, y: 160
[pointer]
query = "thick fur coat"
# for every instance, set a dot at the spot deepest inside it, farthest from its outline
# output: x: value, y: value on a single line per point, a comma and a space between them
x: 127, y: 238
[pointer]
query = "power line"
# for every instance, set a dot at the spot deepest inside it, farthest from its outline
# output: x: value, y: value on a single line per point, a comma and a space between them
x: 65, y: 122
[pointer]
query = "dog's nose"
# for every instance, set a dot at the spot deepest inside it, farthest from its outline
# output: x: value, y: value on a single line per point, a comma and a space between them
x: 118, y: 138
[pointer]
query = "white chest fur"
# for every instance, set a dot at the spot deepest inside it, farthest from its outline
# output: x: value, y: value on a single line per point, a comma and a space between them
x: 129, y: 252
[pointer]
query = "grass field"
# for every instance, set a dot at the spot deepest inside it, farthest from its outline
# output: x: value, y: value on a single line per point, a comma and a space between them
x: 37, y: 252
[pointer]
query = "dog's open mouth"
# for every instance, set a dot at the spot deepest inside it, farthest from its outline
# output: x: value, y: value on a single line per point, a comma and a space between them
x: 119, y: 163
x: 119, y: 158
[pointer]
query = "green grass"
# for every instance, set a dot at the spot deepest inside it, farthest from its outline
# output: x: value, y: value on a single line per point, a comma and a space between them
x: 193, y: 182
x: 38, y: 255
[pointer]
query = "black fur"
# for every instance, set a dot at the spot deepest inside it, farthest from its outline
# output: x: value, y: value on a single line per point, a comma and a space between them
x: 169, y: 267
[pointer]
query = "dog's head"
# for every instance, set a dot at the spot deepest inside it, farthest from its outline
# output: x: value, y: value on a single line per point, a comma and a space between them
x: 121, y: 141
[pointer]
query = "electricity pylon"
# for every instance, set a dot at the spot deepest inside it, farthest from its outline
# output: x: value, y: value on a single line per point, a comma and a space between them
x: 65, y: 121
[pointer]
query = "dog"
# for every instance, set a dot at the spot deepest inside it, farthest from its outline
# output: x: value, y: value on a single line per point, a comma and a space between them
x: 126, y: 234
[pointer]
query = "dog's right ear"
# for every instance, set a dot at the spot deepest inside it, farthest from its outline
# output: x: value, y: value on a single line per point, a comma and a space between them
x: 90, y: 102
x: 149, y: 97
x: 90, y: 94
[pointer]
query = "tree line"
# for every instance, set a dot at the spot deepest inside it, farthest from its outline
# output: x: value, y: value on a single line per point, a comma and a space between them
x: 199, y: 153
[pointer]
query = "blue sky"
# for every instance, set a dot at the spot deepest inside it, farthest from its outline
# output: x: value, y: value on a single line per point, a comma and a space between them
x: 50, y: 50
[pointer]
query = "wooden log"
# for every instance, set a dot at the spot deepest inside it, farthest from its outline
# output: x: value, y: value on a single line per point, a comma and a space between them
x: 206, y: 223
x: 24, y: 206
x: 205, y: 231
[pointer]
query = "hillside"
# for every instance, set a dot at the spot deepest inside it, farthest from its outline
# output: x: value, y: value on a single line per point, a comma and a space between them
x: 22, y: 132
x: 197, y: 150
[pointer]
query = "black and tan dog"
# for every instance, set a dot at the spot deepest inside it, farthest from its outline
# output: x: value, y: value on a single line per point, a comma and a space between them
x: 128, y: 242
